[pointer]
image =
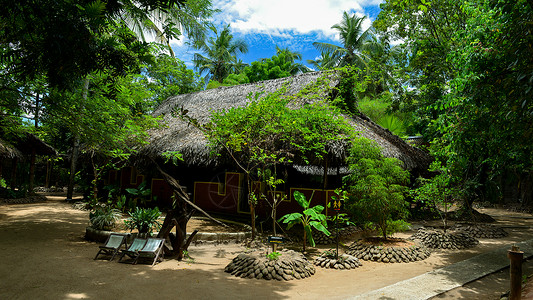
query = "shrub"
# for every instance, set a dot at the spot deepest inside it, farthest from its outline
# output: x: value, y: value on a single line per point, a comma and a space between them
x: 377, y: 187
x: 104, y: 217
x: 143, y: 219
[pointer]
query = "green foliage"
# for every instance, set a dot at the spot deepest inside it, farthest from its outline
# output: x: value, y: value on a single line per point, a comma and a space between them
x: 2, y: 183
x: 145, y: 220
x: 167, y: 76
x: 220, y: 54
x: 104, y: 217
x: 67, y: 40
x: 141, y: 192
x: 380, y: 110
x: 441, y: 191
x: 278, y: 66
x: 376, y: 186
x: 232, y: 79
x: 273, y: 255
x: 268, y: 126
x: 172, y: 156
x: 310, y: 218
x: 469, y: 66
x: 354, y: 41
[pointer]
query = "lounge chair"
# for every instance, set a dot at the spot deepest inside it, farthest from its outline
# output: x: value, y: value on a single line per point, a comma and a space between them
x: 133, y: 249
x: 152, y: 249
x: 112, y: 245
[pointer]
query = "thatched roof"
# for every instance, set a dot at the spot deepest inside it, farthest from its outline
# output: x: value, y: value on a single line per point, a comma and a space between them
x: 25, y: 145
x: 8, y: 151
x: 178, y: 135
x: 29, y: 142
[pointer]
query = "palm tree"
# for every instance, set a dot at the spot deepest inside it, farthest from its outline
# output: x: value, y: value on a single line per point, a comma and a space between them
x: 327, y: 60
x: 165, y: 24
x: 221, y: 52
x: 290, y: 57
x: 354, y: 41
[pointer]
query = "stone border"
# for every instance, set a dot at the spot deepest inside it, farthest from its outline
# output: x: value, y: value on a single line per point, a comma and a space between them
x: 288, y: 265
x: 439, y: 240
x: 345, y: 261
x: 371, y: 252
x: 486, y: 231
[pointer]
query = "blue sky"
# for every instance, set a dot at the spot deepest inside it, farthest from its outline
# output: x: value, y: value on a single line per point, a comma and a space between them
x: 295, y: 24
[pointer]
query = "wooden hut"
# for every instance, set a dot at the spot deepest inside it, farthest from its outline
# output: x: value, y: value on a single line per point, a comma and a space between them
x: 27, y: 146
x: 202, y: 170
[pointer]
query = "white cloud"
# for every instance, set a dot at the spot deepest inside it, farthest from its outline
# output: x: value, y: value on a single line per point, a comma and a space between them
x: 276, y: 17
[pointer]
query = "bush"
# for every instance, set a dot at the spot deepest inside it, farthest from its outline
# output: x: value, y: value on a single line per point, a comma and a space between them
x: 377, y: 187
x: 143, y: 219
x: 104, y: 217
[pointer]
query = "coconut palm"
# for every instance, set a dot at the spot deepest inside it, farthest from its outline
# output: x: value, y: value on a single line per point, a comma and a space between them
x: 354, y: 41
x: 165, y: 24
x: 220, y: 57
x: 327, y: 60
x: 291, y: 57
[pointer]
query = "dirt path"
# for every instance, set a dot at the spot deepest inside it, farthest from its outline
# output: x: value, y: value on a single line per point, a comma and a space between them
x: 44, y: 256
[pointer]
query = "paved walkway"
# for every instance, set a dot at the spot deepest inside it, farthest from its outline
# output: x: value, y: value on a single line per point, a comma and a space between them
x: 442, y: 280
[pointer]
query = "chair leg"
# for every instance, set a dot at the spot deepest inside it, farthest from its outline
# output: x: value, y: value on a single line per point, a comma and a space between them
x: 114, y: 254
x: 100, y: 251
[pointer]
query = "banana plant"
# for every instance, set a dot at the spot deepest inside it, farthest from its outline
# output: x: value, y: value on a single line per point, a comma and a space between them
x: 311, y: 217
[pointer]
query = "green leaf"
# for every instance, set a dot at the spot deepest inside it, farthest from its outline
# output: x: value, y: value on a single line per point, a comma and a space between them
x: 300, y: 198
x: 320, y: 227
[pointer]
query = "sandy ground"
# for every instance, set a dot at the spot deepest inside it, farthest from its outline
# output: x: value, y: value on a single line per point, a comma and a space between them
x: 44, y: 256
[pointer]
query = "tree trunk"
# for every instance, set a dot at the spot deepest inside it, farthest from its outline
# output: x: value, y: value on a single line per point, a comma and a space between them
x: 48, y: 173
x: 32, y: 172
x: 305, y: 240
x: 76, y: 147
x: 252, y: 215
x: 73, y: 162
x: 37, y: 108
x: 325, y: 179
x: 179, y: 216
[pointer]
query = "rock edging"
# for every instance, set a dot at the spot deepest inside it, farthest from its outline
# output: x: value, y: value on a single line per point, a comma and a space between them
x: 384, y: 254
x: 288, y: 266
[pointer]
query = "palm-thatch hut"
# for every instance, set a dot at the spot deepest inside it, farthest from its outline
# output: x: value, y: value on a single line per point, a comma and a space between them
x: 200, y: 165
x: 178, y: 135
x: 25, y: 146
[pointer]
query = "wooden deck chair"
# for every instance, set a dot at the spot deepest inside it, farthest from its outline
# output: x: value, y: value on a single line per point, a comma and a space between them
x: 133, y: 249
x: 112, y: 245
x: 152, y: 249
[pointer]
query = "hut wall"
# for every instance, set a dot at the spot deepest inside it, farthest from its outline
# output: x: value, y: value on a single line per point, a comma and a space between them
x: 223, y: 194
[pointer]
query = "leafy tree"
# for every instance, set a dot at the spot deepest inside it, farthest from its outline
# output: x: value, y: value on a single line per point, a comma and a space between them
x: 438, y: 192
x: 267, y: 132
x: 220, y: 54
x: 326, y: 61
x: 376, y: 185
x: 278, y: 66
x: 470, y: 66
x: 189, y: 18
x: 426, y: 30
x: 67, y: 40
x: 167, y: 76
x: 107, y: 122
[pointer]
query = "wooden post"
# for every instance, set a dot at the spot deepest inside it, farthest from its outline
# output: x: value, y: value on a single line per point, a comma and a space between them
x: 14, y: 164
x: 32, y: 171
x: 516, y: 256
